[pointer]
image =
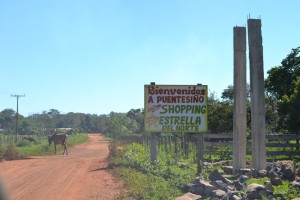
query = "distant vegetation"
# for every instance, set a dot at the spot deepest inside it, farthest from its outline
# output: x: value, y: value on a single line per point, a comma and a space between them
x: 282, y: 110
x: 11, y: 150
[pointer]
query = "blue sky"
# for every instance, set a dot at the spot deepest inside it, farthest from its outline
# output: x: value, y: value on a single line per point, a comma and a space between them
x: 94, y: 56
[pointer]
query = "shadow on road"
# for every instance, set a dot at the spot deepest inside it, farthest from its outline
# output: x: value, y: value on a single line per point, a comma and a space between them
x: 99, y: 169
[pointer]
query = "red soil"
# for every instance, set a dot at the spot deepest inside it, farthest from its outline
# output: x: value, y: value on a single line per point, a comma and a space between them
x: 83, y: 174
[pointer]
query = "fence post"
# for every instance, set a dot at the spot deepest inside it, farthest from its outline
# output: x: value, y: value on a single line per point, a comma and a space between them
x: 170, y: 144
x: 200, y: 151
x: 186, y: 146
x: 153, y: 146
x: 175, y: 148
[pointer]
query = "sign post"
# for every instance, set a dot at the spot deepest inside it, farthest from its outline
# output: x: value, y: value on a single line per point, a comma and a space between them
x: 200, y: 150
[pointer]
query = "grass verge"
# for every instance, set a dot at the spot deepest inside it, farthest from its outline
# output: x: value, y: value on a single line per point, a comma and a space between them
x: 23, y: 149
x: 163, y: 179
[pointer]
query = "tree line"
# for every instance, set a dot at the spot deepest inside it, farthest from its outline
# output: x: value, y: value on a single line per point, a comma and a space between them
x: 282, y: 97
x: 40, y: 124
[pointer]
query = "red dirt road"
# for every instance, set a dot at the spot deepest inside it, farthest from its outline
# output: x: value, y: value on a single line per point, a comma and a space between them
x: 82, y: 174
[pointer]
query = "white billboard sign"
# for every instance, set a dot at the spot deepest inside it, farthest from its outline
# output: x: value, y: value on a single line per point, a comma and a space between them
x: 176, y: 108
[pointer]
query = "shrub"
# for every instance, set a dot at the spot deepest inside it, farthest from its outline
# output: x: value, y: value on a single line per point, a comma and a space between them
x: 1, y: 153
x: 45, y: 148
x: 11, y: 153
x: 22, y: 143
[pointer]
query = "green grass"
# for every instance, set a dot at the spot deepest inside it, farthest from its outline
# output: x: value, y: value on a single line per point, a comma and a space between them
x: 285, y: 189
x: 166, y: 177
x: 163, y: 179
x: 24, y: 149
x: 147, y: 185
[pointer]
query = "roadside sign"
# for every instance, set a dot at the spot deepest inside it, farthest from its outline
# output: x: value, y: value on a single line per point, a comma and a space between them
x: 175, y: 108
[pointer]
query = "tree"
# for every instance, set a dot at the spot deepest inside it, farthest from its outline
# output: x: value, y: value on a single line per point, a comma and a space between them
x: 40, y: 122
x: 120, y: 124
x: 220, y: 115
x: 138, y: 116
x: 272, y: 118
x: 281, y: 80
x: 290, y: 109
x: 228, y: 97
x: 7, y: 119
x: 228, y: 94
x: 102, y: 123
x: 69, y: 120
x: 25, y: 127
x: 87, y: 123
x: 282, y: 89
x: 53, y: 113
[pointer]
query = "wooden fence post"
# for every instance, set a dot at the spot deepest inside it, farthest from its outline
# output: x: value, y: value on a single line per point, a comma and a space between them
x: 153, y: 146
x: 175, y: 148
x: 165, y: 144
x: 185, y: 146
x: 200, y: 151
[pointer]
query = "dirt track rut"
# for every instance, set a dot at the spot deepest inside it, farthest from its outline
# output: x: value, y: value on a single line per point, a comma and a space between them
x: 83, y: 174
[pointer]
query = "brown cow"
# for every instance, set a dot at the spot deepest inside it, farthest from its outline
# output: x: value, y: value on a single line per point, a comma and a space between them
x: 59, y: 139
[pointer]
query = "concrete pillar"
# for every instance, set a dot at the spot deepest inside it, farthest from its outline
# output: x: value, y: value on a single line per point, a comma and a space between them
x: 257, y: 86
x: 240, y: 99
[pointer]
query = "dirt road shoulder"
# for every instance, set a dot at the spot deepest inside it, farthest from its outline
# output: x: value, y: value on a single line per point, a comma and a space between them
x: 83, y: 174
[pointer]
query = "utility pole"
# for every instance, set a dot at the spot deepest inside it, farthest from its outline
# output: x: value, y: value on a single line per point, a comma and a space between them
x: 17, y: 115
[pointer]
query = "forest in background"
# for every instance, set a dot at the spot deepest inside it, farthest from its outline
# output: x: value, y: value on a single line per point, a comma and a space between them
x: 282, y: 97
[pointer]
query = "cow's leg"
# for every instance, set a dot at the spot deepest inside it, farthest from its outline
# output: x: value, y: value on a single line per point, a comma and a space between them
x: 66, y: 149
x: 55, y: 148
x: 63, y: 145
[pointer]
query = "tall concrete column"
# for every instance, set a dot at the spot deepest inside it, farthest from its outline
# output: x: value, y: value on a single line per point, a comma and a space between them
x: 240, y: 99
x: 257, y: 94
